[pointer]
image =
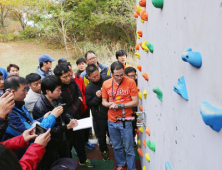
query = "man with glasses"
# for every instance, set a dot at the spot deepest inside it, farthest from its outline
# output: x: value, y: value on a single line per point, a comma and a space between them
x: 91, y: 58
x: 121, y: 56
x: 118, y: 93
x: 45, y: 64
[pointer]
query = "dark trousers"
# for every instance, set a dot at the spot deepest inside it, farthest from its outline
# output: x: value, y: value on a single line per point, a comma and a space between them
x: 102, y: 130
x: 86, y: 131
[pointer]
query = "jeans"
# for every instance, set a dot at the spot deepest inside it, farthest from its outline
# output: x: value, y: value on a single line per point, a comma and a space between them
x: 116, y: 131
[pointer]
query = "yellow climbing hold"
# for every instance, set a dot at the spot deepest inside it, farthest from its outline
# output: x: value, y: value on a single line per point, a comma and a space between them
x: 139, y: 8
x: 138, y: 55
x: 140, y: 95
x: 139, y: 142
x: 147, y: 156
x: 144, y: 94
x: 144, y: 167
x: 146, y: 49
x: 142, y: 21
x: 137, y: 114
x: 141, y: 129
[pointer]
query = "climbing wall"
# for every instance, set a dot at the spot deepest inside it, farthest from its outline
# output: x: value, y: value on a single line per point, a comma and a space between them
x: 184, y: 63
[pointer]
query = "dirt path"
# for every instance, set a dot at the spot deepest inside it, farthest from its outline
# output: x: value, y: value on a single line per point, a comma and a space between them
x: 26, y: 54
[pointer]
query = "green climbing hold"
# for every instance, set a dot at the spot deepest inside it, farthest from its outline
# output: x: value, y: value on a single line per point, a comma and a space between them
x: 151, y: 145
x: 158, y: 3
x: 150, y: 46
x: 159, y: 93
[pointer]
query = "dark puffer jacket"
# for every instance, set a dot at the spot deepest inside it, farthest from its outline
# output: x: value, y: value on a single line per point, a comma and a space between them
x: 92, y: 101
x: 58, y: 131
x: 3, y: 127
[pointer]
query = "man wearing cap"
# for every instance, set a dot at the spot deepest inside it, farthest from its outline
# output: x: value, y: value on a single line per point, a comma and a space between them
x: 45, y: 64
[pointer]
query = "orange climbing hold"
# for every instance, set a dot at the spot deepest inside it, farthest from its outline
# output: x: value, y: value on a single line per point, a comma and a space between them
x: 141, y: 45
x: 148, y: 130
x: 135, y: 15
x: 142, y: 3
x: 144, y: 15
x: 140, y: 151
x: 137, y: 132
x: 138, y: 121
x: 138, y: 88
x: 141, y: 108
x: 144, y: 143
x: 146, y: 77
x: 140, y: 33
x: 139, y: 67
x: 137, y: 46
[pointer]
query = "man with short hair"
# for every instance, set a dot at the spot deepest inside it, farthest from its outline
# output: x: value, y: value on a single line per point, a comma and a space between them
x: 81, y: 64
x: 45, y: 64
x: 13, y: 69
x: 91, y: 58
x: 94, y: 101
x: 19, y: 117
x: 1, y: 84
x: 118, y: 93
x: 50, y: 99
x: 121, y: 56
x: 34, y: 83
x: 72, y: 96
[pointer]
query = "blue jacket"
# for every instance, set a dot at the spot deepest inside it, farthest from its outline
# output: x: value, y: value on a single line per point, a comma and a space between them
x: 42, y: 74
x: 104, y: 70
x: 4, y: 72
x: 21, y: 120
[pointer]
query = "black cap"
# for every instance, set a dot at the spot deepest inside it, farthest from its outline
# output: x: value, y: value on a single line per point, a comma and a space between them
x: 64, y: 164
x: 62, y: 61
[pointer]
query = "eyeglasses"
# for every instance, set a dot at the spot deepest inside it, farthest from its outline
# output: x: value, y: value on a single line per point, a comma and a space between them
x: 118, y: 76
x: 132, y: 76
x: 91, y: 59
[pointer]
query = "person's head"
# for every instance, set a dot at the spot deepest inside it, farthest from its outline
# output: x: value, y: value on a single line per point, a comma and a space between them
x: 62, y: 61
x: 131, y: 72
x: 81, y: 64
x: 117, y: 70
x: 1, y: 81
x: 45, y: 62
x: 63, y: 72
x: 91, y: 58
x: 13, y: 69
x: 121, y: 56
x: 51, y: 87
x: 93, y: 72
x: 34, y: 82
x: 8, y: 160
x: 17, y: 85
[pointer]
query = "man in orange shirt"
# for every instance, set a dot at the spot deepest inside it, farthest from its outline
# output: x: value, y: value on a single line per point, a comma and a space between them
x: 121, y: 56
x: 118, y: 93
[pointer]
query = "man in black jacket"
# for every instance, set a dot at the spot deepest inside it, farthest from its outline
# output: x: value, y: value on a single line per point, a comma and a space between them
x: 72, y: 96
x: 49, y: 99
x: 94, y: 101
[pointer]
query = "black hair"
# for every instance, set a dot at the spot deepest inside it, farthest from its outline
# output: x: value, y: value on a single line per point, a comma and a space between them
x: 1, y: 74
x: 50, y: 83
x: 8, y: 160
x: 120, y: 53
x: 41, y: 64
x: 12, y: 65
x: 129, y: 70
x: 61, y: 69
x: 89, y: 52
x: 90, y: 69
x: 80, y: 60
x: 13, y: 82
x: 116, y: 66
x: 32, y: 77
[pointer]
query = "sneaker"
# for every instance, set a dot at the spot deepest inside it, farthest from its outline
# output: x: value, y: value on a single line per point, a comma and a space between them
x: 120, y: 168
x: 135, y: 144
x: 75, y: 151
x: 89, y: 145
x: 88, y: 163
x: 106, y: 156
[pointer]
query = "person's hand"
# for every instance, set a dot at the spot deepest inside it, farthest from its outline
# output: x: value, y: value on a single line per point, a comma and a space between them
x: 99, y: 93
x: 29, y: 134
x: 114, y: 106
x: 73, y: 123
x: 44, y: 138
x: 80, y: 98
x: 48, y: 113
x: 6, y: 104
x: 57, y: 111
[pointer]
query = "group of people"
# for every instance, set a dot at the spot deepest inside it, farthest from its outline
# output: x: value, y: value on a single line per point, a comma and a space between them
x: 56, y: 100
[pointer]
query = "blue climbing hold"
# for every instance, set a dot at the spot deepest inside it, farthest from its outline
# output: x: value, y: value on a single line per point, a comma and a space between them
x: 167, y: 166
x: 211, y: 116
x: 194, y: 58
x: 180, y: 88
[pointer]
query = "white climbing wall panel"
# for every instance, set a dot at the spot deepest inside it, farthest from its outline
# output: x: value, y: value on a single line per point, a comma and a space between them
x: 176, y: 125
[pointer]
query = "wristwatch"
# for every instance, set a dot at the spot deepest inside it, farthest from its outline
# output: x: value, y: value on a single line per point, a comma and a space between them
x: 121, y: 106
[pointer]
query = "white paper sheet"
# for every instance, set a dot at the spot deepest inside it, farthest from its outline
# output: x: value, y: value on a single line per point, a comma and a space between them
x: 83, y: 124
